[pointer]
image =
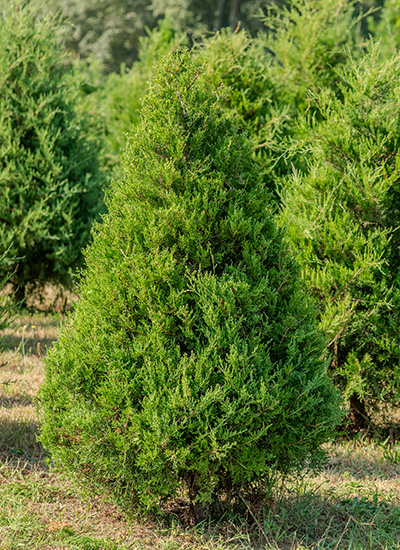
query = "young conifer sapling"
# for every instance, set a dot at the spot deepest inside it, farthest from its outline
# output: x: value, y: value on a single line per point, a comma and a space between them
x: 192, y: 358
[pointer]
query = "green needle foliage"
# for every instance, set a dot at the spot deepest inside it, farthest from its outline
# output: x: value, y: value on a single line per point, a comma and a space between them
x: 309, y: 40
x: 193, y: 355
x: 50, y: 179
x: 271, y: 77
x: 343, y: 219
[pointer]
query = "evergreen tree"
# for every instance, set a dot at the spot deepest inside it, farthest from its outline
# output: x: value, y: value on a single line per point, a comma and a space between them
x: 192, y: 356
x: 272, y: 77
x: 309, y: 40
x: 50, y: 173
x: 343, y: 219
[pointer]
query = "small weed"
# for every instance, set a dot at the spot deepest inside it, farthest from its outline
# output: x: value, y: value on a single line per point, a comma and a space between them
x: 391, y: 451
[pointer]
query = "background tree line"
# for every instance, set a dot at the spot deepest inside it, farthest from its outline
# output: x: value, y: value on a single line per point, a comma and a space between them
x: 111, y: 30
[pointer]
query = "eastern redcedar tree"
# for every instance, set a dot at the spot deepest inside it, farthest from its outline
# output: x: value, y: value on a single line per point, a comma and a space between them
x: 271, y: 77
x: 343, y: 218
x: 50, y: 173
x: 192, y: 356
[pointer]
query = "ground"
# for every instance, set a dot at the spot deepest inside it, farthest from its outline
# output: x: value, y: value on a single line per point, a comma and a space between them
x: 354, y: 503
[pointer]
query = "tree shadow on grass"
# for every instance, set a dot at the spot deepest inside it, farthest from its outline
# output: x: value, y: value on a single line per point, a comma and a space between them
x: 20, y: 400
x: 329, y: 521
x: 30, y: 345
x: 19, y: 446
x: 314, y: 520
x: 311, y: 519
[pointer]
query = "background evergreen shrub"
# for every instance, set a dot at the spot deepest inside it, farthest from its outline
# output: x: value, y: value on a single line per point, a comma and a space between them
x: 111, y: 30
x: 343, y: 219
x: 50, y: 174
x: 309, y: 40
x: 271, y: 77
x: 385, y: 27
x: 192, y: 356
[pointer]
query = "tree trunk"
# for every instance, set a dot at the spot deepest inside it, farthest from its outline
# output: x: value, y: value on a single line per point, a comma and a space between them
x: 234, y: 15
x: 358, y: 415
x: 198, y: 512
x: 219, y: 15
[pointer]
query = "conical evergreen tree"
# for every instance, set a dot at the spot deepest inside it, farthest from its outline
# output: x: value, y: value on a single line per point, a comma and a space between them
x: 343, y: 219
x: 192, y: 355
x: 50, y: 171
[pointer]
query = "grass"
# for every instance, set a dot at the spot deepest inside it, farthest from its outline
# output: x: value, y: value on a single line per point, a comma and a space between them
x: 353, y: 504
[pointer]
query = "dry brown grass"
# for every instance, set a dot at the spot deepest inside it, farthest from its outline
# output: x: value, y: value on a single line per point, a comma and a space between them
x: 21, y: 375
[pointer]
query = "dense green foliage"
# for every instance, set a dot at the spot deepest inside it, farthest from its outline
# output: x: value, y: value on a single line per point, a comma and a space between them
x: 50, y: 178
x: 193, y: 355
x: 343, y: 219
x: 111, y: 30
x: 271, y: 77
x: 309, y: 40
